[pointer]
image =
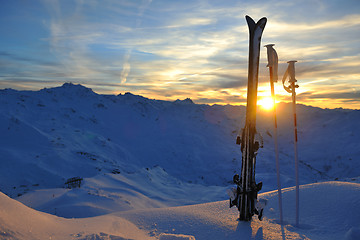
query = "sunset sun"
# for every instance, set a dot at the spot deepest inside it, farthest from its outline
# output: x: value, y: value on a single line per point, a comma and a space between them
x: 266, y: 103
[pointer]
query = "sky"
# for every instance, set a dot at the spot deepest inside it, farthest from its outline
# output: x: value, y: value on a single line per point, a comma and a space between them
x: 177, y: 49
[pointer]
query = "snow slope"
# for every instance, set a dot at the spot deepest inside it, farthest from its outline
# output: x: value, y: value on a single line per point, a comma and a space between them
x: 136, y: 154
x: 20, y: 222
x: 321, y: 218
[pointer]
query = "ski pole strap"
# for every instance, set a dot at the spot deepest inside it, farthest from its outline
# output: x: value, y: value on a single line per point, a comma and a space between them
x: 290, y: 72
x: 272, y: 62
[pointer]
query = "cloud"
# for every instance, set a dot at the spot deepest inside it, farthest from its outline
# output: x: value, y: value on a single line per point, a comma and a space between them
x: 16, y: 59
x: 194, y: 48
x: 126, y: 67
x: 280, y: 27
x: 336, y: 95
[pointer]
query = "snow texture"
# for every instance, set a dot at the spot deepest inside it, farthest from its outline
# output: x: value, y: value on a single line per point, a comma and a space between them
x: 321, y: 218
x: 159, y: 170
x: 166, y: 236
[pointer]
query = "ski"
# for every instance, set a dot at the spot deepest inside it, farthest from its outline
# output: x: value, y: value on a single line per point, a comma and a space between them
x: 247, y: 189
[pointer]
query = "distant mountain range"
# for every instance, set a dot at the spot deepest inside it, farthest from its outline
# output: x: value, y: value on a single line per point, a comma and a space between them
x: 165, y: 153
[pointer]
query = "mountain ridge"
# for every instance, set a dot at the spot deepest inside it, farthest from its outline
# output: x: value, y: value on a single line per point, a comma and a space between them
x: 128, y: 145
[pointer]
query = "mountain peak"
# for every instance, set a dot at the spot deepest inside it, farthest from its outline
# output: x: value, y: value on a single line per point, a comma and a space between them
x: 70, y: 85
x: 69, y: 88
x: 185, y: 101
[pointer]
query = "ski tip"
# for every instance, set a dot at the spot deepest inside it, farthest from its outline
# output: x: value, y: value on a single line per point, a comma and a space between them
x: 251, y: 23
x: 262, y: 22
x: 263, y: 19
x: 248, y: 18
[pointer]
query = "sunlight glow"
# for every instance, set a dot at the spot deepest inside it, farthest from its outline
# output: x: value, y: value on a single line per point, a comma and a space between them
x: 266, y: 103
x: 172, y: 74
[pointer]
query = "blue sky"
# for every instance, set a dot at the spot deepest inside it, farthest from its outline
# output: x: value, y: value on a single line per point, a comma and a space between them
x: 178, y: 49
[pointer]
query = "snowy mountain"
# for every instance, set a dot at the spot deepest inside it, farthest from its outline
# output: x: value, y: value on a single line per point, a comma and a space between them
x: 134, y: 153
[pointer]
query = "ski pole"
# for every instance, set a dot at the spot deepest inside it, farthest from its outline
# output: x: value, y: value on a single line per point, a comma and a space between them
x: 291, y: 89
x: 273, y: 65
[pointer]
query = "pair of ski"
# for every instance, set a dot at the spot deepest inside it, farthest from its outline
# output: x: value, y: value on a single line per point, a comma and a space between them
x: 245, y: 196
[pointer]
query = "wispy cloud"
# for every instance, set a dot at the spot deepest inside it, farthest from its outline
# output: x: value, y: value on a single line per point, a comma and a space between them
x: 126, y: 67
x: 197, y: 49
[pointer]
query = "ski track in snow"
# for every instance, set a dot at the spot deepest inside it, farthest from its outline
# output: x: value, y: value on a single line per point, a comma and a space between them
x: 140, y: 157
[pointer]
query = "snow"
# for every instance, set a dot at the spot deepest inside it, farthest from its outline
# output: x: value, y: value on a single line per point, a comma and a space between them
x: 166, y: 236
x: 20, y: 222
x: 321, y: 218
x: 353, y: 234
x: 159, y: 170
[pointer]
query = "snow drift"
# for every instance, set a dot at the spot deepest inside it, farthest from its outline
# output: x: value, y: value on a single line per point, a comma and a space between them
x: 328, y: 211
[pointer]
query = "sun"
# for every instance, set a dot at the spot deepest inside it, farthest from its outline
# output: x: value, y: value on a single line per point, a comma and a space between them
x: 266, y: 103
